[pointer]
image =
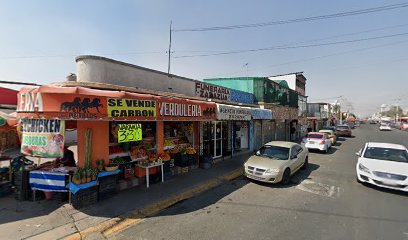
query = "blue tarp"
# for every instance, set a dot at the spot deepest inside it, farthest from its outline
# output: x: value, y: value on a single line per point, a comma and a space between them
x: 75, y: 188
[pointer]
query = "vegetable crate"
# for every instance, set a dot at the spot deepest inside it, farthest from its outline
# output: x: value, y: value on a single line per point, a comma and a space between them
x: 85, y: 197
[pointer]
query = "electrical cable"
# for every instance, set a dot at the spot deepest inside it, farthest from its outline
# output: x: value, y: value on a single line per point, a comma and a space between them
x: 297, y: 20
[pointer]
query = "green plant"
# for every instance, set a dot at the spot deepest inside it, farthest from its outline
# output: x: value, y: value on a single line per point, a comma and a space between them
x: 88, y: 148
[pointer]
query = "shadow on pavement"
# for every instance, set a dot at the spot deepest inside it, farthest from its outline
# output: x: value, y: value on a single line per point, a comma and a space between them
x: 386, y: 190
x: 13, y: 210
x: 330, y: 152
x: 337, y: 144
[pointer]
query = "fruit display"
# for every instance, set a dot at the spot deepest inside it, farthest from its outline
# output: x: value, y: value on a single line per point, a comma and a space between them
x: 165, y: 156
x: 190, y: 150
x: 118, y: 160
x: 138, y: 152
x: 169, y: 143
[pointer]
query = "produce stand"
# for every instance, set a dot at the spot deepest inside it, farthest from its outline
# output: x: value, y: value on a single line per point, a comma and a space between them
x: 147, y: 167
x: 52, y: 180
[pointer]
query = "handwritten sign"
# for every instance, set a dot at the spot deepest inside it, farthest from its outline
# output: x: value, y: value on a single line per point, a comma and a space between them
x: 129, y: 132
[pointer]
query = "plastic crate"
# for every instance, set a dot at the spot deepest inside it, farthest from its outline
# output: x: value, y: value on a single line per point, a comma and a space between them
x: 85, y: 197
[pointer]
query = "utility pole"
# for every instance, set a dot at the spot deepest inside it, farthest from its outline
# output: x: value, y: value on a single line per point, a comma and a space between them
x: 168, y: 68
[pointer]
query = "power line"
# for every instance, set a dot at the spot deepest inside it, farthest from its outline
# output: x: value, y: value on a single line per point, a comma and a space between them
x: 297, y: 20
x: 293, y: 47
x: 19, y: 83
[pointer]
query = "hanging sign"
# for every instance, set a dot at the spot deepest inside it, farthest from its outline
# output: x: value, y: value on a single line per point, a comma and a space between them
x: 43, y: 137
x: 131, y: 108
x: 129, y: 132
x: 225, y: 112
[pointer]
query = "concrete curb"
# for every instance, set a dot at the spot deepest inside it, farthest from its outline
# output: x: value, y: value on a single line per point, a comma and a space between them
x: 123, y: 221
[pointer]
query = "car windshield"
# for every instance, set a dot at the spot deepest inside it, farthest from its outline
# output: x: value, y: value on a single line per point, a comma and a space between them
x: 343, y: 127
x: 274, y: 152
x: 389, y: 154
x: 319, y: 136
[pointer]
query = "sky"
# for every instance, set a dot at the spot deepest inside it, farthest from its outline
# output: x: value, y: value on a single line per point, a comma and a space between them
x: 360, y: 60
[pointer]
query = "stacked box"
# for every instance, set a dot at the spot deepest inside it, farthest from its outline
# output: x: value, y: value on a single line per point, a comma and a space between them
x: 107, y: 186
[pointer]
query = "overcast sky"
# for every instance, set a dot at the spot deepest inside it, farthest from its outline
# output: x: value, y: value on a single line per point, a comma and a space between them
x: 361, y: 57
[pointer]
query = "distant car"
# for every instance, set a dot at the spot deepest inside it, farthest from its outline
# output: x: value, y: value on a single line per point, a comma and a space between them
x: 351, y: 124
x: 276, y: 161
x: 317, y: 140
x: 373, y: 122
x: 330, y: 128
x: 331, y: 135
x: 343, y: 130
x: 385, y: 127
x: 384, y: 165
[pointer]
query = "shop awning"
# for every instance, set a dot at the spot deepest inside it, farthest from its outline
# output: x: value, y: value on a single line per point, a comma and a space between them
x: 259, y: 113
x: 8, y: 96
x: 8, y: 119
x: 73, y: 103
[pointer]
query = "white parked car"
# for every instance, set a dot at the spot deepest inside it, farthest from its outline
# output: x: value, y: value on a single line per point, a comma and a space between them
x: 276, y: 161
x: 385, y: 127
x: 384, y: 165
x: 317, y: 140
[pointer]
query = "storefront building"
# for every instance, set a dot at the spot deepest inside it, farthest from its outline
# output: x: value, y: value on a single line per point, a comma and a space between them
x: 165, y: 123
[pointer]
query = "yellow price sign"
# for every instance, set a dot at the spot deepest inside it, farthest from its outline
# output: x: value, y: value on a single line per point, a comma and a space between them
x: 129, y: 132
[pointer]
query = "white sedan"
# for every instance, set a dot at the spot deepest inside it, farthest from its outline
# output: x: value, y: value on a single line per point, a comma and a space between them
x: 385, y: 127
x: 317, y: 140
x: 384, y: 165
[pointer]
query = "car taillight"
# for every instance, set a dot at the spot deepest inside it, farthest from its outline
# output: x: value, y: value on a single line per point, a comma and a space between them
x: 322, y: 142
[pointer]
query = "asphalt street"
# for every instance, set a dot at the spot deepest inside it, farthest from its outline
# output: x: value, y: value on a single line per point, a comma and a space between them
x: 323, y: 202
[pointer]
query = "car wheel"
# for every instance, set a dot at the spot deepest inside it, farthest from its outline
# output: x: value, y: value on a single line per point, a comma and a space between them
x: 286, y: 177
x: 306, y: 163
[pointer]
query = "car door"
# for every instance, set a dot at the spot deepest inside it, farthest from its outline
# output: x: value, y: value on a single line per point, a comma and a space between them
x: 328, y: 140
x: 295, y: 159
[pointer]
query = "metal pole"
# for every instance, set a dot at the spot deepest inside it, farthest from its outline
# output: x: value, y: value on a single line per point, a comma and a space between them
x: 168, y: 69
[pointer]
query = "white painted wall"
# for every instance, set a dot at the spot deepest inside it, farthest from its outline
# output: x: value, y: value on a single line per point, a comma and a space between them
x: 290, y: 79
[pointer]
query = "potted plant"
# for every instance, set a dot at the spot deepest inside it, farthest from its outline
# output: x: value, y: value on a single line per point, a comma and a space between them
x: 77, y: 177
x: 100, y: 164
x: 88, y: 175
x: 94, y: 174
x: 83, y: 176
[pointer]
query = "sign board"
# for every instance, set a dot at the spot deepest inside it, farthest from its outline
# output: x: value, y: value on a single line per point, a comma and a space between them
x: 226, y: 112
x: 177, y: 109
x: 259, y: 113
x: 130, y: 108
x: 129, y: 132
x: 43, y: 137
x: 210, y: 91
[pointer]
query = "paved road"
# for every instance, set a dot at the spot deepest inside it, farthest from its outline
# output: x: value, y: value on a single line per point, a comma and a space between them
x: 323, y: 202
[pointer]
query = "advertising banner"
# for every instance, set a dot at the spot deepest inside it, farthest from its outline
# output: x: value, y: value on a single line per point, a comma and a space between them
x: 43, y: 137
x: 131, y: 108
x: 129, y: 132
x: 226, y: 112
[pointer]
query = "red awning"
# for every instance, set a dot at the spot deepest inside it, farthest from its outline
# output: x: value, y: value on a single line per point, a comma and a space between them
x: 8, y: 96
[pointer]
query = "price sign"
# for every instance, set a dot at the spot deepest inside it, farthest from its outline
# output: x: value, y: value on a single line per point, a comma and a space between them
x: 129, y: 132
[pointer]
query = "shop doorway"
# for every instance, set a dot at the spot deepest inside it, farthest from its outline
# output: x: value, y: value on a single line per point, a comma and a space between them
x: 214, y: 134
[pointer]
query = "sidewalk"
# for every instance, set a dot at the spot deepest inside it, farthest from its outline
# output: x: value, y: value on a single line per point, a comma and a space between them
x: 52, y: 220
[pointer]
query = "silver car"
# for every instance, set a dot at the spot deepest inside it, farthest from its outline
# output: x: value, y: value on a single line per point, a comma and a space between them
x: 276, y: 162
